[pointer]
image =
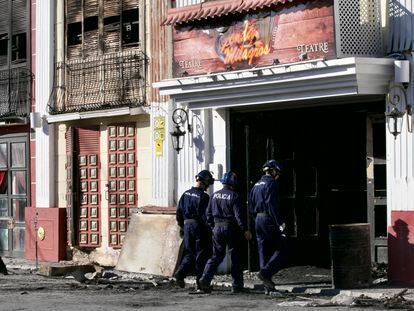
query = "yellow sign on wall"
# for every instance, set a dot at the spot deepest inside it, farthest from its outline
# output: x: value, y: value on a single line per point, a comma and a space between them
x: 159, y: 135
x: 158, y: 148
x: 159, y: 123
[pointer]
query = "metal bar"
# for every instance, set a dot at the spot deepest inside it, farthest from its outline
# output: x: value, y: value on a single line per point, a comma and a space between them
x: 247, y: 133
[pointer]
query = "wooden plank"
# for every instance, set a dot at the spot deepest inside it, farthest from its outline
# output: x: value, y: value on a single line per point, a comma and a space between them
x: 130, y: 4
x: 90, y: 8
x: 74, y: 11
x: 112, y: 8
x: 20, y: 16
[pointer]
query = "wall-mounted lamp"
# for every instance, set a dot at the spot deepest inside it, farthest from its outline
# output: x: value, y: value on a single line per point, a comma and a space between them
x: 397, y: 102
x: 179, y: 117
x: 397, y: 109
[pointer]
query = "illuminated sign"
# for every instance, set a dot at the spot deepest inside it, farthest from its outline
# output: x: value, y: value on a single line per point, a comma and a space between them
x: 244, y: 46
x: 277, y: 36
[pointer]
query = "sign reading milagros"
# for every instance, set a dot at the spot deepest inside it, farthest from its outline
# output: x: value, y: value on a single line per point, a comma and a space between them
x: 244, y: 46
x: 260, y: 39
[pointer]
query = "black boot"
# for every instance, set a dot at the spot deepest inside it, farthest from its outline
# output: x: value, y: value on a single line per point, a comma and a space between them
x: 3, y: 268
x: 179, y: 280
x: 204, y: 285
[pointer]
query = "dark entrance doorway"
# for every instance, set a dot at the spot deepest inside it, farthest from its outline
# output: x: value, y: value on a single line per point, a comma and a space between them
x: 323, y: 153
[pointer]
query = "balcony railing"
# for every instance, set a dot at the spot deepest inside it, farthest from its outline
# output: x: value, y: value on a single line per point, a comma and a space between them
x: 97, y: 83
x: 15, y: 93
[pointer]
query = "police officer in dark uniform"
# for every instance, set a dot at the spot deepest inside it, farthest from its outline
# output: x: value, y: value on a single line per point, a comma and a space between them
x: 264, y: 206
x: 227, y: 218
x: 191, y: 217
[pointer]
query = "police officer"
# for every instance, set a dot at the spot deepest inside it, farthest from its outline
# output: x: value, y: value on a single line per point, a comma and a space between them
x: 264, y: 206
x: 191, y: 218
x: 227, y: 218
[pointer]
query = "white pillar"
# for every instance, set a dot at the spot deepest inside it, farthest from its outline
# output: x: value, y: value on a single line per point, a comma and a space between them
x: 45, y: 162
x: 220, y: 141
x: 163, y: 166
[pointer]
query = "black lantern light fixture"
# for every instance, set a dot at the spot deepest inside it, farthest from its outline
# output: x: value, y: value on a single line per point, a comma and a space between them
x: 397, y: 110
x: 179, y: 117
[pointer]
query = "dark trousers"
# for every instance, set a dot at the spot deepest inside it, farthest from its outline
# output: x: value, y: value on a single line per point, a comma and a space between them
x: 272, y: 246
x: 230, y: 236
x: 197, y: 250
x: 3, y: 268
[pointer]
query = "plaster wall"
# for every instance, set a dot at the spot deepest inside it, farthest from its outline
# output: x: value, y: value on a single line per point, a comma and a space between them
x: 400, y: 162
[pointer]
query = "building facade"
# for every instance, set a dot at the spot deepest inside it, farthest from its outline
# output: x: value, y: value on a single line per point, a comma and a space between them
x: 95, y: 60
x: 306, y: 83
x: 15, y: 105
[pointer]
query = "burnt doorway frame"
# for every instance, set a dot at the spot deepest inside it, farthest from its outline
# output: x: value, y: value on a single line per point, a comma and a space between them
x: 377, y: 187
x: 9, y: 222
x: 337, y: 201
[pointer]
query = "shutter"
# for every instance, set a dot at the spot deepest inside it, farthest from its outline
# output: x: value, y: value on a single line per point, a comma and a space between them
x: 112, y: 8
x: 20, y: 17
x: 88, y: 140
x: 74, y: 11
x: 4, y: 16
x: 90, y: 44
x: 90, y: 8
x: 71, y: 186
x: 112, y: 31
x: 130, y: 4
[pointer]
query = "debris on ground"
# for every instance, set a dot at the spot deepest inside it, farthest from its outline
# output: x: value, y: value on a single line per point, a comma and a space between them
x: 379, y: 270
x: 396, y: 301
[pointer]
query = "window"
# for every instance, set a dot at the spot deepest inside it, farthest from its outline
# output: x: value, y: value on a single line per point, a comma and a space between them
x: 3, y: 44
x: 91, y: 23
x: 75, y: 33
x: 112, y: 23
x: 130, y: 28
x: 111, y: 20
x: 19, y: 47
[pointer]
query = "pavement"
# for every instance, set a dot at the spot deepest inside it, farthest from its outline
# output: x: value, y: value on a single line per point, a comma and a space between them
x: 299, y: 280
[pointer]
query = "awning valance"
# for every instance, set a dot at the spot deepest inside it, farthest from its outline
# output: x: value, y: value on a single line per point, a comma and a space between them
x: 216, y: 8
x: 289, y: 85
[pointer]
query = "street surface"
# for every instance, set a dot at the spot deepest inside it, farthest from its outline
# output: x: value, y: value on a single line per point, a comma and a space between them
x: 25, y: 290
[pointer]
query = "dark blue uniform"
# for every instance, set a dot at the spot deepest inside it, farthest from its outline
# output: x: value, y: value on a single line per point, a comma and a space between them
x: 228, y: 220
x: 264, y: 205
x: 191, y: 217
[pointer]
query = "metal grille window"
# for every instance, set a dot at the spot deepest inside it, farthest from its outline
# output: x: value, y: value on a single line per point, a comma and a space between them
x: 358, y: 28
x: 14, y: 92
x: 401, y: 21
x: 108, y: 81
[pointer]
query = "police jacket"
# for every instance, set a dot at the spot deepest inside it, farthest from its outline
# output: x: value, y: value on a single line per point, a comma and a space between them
x: 192, y: 205
x: 225, y: 205
x: 264, y: 198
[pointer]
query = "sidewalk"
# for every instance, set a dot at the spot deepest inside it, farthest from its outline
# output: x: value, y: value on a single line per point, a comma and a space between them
x: 299, y: 280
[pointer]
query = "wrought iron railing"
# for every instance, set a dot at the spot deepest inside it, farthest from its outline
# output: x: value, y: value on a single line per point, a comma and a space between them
x: 15, y: 92
x: 103, y: 82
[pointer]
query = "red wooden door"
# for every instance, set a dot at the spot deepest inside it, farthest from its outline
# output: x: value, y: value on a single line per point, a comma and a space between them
x: 122, y: 180
x: 88, y: 172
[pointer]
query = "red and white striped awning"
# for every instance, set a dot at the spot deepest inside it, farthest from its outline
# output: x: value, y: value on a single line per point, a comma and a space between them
x: 216, y: 8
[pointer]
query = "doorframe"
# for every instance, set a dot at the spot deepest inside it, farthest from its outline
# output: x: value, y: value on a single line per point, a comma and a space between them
x: 372, y: 200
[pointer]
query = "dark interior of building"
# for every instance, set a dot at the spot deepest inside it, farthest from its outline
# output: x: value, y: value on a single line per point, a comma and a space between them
x: 323, y: 154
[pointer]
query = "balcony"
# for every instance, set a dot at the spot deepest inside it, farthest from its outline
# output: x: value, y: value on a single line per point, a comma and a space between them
x: 15, y: 93
x: 98, y: 83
